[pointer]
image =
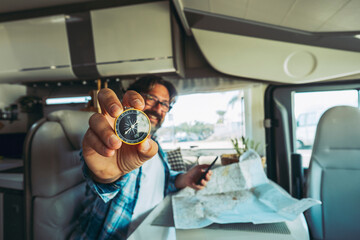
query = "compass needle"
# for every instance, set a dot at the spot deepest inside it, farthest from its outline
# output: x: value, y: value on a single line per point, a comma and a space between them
x: 128, y: 131
x: 132, y: 126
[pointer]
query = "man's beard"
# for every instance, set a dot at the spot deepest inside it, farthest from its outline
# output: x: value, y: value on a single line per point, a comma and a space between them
x: 159, y: 121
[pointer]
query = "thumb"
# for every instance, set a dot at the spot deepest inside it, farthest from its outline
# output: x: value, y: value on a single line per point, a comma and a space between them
x: 147, y: 149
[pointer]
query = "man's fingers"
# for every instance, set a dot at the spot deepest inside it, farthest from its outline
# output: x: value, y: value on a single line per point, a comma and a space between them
x: 208, y: 176
x: 104, y: 132
x: 109, y: 102
x: 198, y: 187
x: 133, y: 99
x: 203, y: 183
x: 147, y: 149
x: 92, y: 144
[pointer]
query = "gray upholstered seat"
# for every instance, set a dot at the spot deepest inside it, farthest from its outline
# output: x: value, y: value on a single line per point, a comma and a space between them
x: 334, y: 175
x: 54, y: 186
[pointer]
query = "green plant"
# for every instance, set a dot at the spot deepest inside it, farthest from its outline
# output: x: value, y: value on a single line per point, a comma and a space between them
x: 243, y: 144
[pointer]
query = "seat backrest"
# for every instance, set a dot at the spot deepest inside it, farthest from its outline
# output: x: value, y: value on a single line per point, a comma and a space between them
x: 54, y: 186
x: 334, y: 175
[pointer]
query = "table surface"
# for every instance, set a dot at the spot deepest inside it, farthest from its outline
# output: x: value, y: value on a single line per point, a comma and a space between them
x: 7, y: 164
x: 298, y: 230
x: 11, y: 180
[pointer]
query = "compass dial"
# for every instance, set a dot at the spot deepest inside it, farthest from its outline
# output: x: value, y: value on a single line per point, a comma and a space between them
x: 132, y: 126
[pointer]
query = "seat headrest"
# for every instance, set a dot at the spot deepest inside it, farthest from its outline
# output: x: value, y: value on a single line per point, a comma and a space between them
x: 337, y: 133
x: 72, y: 123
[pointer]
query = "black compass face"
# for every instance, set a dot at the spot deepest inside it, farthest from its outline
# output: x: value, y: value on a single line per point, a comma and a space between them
x: 132, y: 126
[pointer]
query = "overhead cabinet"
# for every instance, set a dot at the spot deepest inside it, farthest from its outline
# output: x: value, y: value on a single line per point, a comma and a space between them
x: 136, y: 39
x: 34, y: 50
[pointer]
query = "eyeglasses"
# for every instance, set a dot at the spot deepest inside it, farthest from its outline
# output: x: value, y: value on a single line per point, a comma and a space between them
x: 154, y: 101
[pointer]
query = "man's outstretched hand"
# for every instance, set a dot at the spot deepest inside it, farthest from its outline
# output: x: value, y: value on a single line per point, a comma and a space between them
x: 106, y: 156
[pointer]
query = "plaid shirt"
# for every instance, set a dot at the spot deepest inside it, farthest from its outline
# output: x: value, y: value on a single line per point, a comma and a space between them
x: 107, y: 214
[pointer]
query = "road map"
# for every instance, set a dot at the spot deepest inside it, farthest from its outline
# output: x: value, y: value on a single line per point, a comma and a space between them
x: 237, y: 193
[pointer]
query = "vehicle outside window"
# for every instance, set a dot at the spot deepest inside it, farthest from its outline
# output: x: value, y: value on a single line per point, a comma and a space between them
x: 305, y: 128
x: 309, y: 107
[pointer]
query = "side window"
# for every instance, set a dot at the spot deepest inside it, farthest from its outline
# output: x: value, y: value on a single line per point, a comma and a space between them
x: 204, y: 122
x: 308, y: 108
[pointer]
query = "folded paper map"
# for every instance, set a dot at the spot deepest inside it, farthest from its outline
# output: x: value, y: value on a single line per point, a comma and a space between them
x: 239, y: 192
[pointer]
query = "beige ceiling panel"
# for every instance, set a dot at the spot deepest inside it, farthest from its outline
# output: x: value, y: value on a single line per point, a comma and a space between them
x: 273, y: 60
x: 306, y: 15
x: 272, y: 12
x: 310, y: 15
x: 233, y: 8
x: 202, y: 5
x: 346, y: 19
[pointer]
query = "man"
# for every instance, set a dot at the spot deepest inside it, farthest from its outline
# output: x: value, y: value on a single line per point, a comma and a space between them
x: 129, y: 180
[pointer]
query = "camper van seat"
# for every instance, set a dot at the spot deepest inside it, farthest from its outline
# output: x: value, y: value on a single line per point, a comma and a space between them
x: 54, y: 186
x: 334, y: 175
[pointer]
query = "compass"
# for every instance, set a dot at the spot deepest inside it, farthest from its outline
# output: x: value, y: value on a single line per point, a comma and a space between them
x: 132, y: 126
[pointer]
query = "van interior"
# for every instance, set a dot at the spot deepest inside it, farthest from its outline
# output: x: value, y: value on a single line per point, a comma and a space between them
x: 271, y: 72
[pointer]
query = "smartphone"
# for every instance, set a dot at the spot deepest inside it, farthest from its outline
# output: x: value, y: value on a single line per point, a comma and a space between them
x: 206, y: 171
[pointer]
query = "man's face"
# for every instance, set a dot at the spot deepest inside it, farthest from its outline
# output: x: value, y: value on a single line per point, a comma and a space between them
x: 154, y: 110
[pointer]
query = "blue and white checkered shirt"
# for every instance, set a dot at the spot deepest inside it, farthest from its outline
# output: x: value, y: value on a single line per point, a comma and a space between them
x: 108, y: 213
